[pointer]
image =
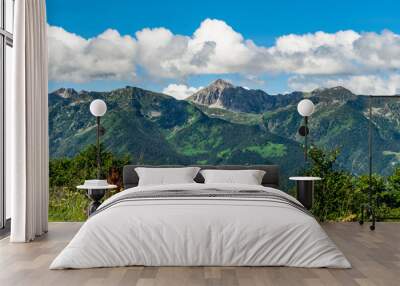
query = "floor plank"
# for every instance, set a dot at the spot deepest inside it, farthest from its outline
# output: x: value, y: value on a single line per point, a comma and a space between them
x: 375, y: 257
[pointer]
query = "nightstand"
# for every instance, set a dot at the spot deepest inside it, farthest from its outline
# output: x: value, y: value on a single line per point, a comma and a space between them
x: 305, y: 190
x: 95, y: 193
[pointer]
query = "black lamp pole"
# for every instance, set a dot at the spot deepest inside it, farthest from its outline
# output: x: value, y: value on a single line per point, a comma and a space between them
x: 98, y: 148
x: 370, y: 157
x: 304, y: 131
x: 305, y: 137
x: 305, y: 109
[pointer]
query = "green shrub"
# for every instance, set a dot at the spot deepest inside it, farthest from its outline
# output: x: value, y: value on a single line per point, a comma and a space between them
x: 333, y: 196
x: 66, y: 203
x: 340, y: 195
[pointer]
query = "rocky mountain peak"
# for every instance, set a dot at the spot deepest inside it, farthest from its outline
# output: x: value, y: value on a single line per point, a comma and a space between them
x: 224, y: 95
x: 332, y: 90
x: 340, y: 88
x: 338, y: 93
x: 221, y: 84
x: 66, y: 92
x: 213, y: 94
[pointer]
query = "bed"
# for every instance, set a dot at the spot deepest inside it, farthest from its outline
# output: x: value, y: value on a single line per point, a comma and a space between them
x: 197, y: 224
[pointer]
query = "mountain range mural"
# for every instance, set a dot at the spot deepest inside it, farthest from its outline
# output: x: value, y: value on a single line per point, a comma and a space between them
x: 227, y: 124
x: 216, y: 83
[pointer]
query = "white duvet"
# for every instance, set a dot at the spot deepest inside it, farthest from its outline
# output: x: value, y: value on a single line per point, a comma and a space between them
x: 200, y: 231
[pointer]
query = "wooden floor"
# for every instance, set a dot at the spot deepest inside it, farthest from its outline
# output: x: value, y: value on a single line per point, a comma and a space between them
x: 375, y: 257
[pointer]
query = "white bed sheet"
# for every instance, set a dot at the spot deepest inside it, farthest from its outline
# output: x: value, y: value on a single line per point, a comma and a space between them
x: 202, y: 232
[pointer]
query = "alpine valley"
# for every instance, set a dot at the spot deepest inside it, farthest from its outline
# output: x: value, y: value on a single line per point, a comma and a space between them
x: 227, y: 124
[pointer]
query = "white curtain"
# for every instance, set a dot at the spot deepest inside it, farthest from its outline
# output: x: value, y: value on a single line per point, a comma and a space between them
x: 27, y: 124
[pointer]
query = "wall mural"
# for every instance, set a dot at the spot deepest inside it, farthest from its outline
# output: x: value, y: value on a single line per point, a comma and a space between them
x: 206, y: 98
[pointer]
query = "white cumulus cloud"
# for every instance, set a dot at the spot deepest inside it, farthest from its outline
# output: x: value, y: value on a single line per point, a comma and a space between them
x: 107, y: 56
x: 358, y: 84
x: 180, y: 91
x: 216, y: 48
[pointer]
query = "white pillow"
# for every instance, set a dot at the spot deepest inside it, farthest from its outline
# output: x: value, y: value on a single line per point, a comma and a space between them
x: 248, y: 177
x: 166, y: 176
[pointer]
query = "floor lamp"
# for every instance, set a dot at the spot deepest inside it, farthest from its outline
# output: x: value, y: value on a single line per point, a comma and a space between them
x: 96, y: 189
x: 368, y: 208
x: 98, y: 108
x: 305, y: 108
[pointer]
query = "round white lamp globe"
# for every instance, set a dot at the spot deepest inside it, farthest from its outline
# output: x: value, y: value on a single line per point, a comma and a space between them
x: 305, y: 107
x: 98, y: 107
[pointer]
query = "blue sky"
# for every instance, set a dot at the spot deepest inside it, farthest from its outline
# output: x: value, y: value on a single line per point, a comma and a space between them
x: 261, y: 22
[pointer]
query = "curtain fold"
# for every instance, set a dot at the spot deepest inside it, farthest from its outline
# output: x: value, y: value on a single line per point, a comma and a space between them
x: 27, y: 124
